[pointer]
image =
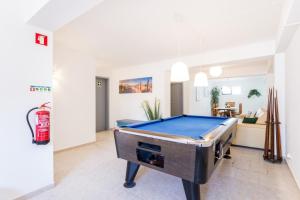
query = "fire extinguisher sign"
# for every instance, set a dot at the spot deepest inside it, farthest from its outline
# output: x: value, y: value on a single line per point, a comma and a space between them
x: 41, y: 39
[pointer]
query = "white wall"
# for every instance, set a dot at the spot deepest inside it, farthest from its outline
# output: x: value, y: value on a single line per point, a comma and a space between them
x: 73, y: 98
x: 25, y: 167
x: 202, y: 106
x: 103, y: 72
x: 280, y: 86
x: 129, y: 105
x: 126, y: 106
x: 292, y: 105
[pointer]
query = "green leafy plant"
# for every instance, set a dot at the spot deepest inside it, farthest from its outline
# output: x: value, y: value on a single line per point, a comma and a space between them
x: 214, y: 100
x: 254, y: 92
x: 215, y: 93
x: 152, y: 113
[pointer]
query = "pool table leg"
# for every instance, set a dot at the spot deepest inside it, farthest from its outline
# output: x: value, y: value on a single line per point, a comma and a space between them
x: 192, y: 190
x: 227, y: 154
x: 131, y: 171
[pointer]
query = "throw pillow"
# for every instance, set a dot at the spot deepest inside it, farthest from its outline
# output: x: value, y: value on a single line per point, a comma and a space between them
x: 249, y: 120
x: 262, y: 119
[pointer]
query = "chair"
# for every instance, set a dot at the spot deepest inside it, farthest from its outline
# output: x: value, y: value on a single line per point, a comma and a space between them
x: 230, y: 113
x: 230, y: 104
x: 214, y: 112
x: 239, y: 113
x: 240, y: 109
x: 222, y: 113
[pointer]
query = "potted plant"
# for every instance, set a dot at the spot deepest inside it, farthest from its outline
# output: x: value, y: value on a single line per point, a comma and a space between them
x: 214, y: 101
x: 152, y: 113
x: 254, y: 92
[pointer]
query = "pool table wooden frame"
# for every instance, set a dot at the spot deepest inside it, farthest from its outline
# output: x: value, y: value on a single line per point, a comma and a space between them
x: 192, y: 160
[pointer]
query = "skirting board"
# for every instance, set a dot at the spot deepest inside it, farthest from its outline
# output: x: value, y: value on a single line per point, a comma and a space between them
x: 293, y: 172
x: 236, y: 145
x: 74, y: 147
x: 35, y: 193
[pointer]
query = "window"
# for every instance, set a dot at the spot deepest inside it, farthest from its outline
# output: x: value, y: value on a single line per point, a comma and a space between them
x: 226, y: 90
x: 231, y: 90
x: 236, y: 90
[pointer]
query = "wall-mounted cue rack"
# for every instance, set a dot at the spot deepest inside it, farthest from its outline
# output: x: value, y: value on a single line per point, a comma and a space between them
x: 272, y: 151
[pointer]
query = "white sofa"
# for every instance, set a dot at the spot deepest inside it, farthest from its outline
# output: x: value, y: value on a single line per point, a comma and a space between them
x: 250, y: 135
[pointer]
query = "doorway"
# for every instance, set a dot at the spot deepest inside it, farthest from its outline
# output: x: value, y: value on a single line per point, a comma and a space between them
x: 176, y: 99
x: 102, y: 107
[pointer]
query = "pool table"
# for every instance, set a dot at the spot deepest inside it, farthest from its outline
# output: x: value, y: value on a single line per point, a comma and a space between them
x: 189, y: 147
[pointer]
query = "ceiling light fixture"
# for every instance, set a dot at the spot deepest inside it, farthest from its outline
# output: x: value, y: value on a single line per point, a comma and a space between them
x: 201, y: 80
x: 179, y: 72
x: 215, y: 71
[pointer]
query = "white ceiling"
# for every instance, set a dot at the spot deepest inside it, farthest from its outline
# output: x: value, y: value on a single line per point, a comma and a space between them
x: 132, y: 32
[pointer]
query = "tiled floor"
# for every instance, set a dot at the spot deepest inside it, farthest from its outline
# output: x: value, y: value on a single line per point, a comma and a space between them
x: 93, y: 172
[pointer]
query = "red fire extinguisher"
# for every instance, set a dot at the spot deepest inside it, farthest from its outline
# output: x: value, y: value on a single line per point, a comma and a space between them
x: 42, y: 127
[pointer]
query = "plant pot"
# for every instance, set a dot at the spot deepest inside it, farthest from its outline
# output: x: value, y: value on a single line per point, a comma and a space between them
x: 214, y: 112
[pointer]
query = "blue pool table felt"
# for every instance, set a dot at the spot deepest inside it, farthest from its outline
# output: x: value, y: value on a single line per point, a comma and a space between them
x: 195, y: 127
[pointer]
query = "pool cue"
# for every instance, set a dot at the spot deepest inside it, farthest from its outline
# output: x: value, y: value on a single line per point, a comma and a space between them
x: 278, y: 134
x: 266, y: 150
x: 272, y: 128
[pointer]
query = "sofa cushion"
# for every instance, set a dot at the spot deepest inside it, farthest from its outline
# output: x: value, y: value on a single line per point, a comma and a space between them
x: 260, y: 112
x: 262, y: 119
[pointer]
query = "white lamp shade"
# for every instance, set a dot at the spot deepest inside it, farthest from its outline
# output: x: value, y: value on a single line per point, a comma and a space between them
x: 215, y: 71
x: 179, y: 72
x: 201, y: 80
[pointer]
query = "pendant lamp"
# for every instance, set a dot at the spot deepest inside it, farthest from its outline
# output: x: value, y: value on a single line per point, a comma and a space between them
x: 179, y: 72
x: 201, y: 80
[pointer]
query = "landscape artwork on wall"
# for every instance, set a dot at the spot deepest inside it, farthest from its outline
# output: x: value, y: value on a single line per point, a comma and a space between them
x: 137, y: 85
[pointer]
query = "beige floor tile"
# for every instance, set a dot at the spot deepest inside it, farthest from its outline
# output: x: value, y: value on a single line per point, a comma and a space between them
x: 93, y: 172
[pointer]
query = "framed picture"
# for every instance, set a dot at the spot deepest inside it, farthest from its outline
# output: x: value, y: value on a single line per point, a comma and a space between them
x: 137, y: 85
x: 226, y: 90
x: 201, y: 92
x: 198, y: 94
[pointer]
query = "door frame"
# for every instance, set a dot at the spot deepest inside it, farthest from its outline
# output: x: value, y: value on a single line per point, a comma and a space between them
x: 107, y: 113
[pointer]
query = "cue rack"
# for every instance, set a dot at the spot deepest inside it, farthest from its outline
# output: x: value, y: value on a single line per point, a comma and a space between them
x: 272, y: 150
